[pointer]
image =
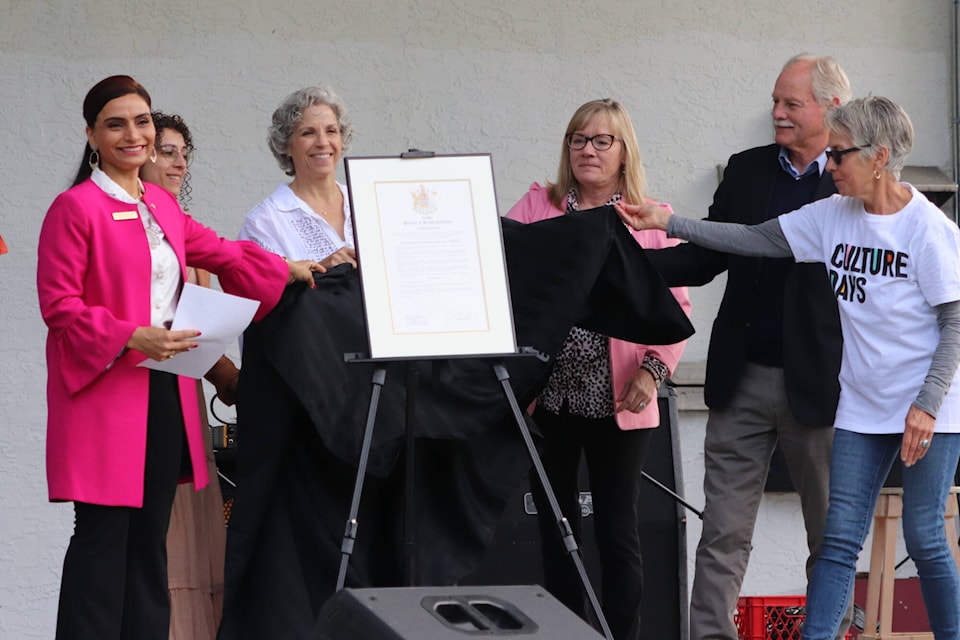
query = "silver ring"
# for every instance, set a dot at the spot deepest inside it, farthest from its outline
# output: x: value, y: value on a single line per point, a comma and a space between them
x: 643, y: 405
x: 924, y: 443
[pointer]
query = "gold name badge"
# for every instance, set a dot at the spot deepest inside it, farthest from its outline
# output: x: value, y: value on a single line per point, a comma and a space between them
x: 125, y: 215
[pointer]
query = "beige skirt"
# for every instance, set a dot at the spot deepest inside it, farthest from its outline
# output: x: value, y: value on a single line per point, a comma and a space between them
x: 196, y: 543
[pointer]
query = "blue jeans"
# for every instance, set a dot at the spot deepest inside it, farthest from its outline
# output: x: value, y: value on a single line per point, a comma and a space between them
x: 858, y: 469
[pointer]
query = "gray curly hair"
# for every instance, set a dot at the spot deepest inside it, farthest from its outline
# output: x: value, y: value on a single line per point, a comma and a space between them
x: 289, y: 114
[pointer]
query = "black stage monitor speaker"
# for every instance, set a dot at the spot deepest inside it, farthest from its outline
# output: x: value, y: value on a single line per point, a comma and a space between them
x: 449, y: 613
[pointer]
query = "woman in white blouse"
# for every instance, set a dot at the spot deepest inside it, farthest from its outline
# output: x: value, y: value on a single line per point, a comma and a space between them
x: 308, y: 219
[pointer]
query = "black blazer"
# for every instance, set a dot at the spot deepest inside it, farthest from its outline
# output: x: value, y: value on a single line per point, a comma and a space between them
x: 811, y: 327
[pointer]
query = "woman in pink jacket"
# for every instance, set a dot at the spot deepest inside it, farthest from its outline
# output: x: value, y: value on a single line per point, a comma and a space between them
x: 601, y: 398
x: 111, y: 260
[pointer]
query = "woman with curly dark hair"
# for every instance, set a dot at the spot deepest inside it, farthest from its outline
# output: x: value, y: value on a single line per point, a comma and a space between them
x: 174, y: 147
x: 196, y: 540
x: 170, y: 170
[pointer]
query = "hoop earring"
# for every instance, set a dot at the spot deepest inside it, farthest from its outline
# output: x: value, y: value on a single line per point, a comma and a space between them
x: 876, y: 174
x: 153, y: 156
x: 94, y: 159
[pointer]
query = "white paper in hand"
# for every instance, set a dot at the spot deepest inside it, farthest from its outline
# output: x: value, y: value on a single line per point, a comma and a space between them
x: 220, y: 318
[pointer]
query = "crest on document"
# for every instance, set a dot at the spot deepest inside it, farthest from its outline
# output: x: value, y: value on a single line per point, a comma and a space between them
x: 424, y: 201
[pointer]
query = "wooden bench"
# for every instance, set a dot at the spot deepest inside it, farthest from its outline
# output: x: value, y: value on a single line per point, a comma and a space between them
x: 880, y: 581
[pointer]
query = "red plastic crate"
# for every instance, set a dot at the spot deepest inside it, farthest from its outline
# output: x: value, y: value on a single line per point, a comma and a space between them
x: 770, y: 617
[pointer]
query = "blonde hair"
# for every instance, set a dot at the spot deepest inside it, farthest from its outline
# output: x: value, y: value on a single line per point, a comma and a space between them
x: 633, y: 181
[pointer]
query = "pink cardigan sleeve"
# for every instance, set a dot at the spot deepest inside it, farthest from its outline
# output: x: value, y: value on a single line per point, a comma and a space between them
x: 85, y: 332
x: 242, y: 267
x: 533, y: 206
x: 93, y: 276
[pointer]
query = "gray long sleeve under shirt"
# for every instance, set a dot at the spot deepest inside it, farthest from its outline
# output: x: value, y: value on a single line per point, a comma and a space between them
x: 767, y: 240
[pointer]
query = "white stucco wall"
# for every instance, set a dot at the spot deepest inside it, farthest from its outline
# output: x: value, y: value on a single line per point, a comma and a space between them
x: 492, y: 76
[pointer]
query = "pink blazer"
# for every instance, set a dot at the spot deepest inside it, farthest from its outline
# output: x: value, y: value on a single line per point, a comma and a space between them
x: 625, y: 357
x: 93, y: 281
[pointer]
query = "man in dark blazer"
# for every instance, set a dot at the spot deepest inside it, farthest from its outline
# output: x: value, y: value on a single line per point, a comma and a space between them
x: 774, y: 353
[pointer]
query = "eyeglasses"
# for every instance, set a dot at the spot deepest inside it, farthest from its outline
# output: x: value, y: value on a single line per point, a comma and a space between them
x: 600, y: 142
x: 837, y: 154
x: 170, y: 152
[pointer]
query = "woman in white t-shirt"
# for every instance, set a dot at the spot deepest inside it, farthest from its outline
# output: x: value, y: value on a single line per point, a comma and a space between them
x: 894, y: 261
x: 308, y: 219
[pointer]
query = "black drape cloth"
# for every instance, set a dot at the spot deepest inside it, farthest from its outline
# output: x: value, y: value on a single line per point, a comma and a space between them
x: 303, y: 409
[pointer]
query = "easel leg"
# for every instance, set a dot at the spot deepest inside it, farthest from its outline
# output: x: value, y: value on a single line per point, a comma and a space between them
x: 410, y: 569
x: 566, y: 533
x: 350, y: 532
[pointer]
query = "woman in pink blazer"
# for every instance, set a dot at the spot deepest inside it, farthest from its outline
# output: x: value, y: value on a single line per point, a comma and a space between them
x: 111, y: 260
x: 601, y: 398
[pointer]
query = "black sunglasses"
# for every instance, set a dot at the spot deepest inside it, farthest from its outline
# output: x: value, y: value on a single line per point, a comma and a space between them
x: 837, y: 154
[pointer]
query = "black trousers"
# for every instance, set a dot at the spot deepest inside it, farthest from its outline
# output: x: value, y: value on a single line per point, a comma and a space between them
x: 614, y: 462
x: 114, y: 583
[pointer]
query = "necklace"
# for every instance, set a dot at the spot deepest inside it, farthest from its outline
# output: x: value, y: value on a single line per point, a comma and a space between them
x: 323, y: 212
x: 313, y: 200
x: 154, y: 232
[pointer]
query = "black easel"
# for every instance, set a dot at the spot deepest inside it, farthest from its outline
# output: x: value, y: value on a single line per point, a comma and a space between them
x: 350, y: 531
x: 566, y: 532
x: 409, y: 541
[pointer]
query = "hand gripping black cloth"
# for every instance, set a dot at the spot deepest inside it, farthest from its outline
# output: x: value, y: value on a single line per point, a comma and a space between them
x: 303, y: 409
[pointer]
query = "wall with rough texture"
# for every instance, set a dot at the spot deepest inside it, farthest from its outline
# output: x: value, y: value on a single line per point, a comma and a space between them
x: 492, y: 76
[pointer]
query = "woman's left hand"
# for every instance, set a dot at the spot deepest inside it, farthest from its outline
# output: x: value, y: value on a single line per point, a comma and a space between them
x: 637, y: 393
x: 917, y: 436
x: 303, y: 270
x: 224, y: 375
x: 162, y: 344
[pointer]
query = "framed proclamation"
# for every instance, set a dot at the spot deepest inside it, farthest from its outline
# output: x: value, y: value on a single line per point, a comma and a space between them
x: 430, y: 255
